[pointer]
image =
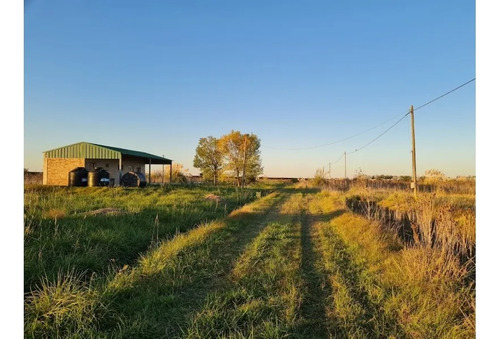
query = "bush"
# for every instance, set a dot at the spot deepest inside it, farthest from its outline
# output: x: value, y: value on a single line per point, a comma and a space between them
x: 319, y: 178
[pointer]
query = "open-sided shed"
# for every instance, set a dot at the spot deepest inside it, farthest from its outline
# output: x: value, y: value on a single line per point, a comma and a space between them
x: 58, y: 162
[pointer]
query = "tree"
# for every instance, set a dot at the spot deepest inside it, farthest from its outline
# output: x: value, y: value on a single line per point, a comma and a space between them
x: 209, y: 158
x: 242, y: 155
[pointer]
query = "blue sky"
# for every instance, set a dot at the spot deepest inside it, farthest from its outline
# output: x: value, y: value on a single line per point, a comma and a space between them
x: 157, y: 76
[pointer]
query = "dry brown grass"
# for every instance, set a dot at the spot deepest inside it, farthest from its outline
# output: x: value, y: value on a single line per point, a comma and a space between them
x: 425, y: 287
x: 446, y: 222
x: 55, y: 213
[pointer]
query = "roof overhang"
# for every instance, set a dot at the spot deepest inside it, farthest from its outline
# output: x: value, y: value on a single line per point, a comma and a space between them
x: 94, y: 151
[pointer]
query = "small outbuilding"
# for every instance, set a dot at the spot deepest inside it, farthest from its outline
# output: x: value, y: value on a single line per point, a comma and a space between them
x: 57, y: 163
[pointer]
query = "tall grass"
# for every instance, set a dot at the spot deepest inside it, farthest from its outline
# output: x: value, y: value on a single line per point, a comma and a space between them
x: 415, y: 290
x: 89, y: 229
x: 63, y: 308
x: 141, y: 300
x: 442, y: 221
x: 295, y: 263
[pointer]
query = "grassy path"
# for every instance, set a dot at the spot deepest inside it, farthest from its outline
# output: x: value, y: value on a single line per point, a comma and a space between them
x: 316, y: 290
x: 293, y: 264
x: 351, y: 311
x: 261, y: 295
x: 155, y: 298
x: 184, y: 279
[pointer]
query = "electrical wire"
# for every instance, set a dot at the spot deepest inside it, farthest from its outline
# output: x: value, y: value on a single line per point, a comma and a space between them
x: 380, y: 135
x: 441, y: 96
x: 371, y: 128
x: 397, y: 122
x: 334, y: 142
x: 404, y: 116
x: 336, y: 161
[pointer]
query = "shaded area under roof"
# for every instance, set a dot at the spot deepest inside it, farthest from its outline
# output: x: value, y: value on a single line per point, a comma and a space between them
x: 95, y: 151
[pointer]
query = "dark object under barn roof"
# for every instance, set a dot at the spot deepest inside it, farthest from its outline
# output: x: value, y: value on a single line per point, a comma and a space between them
x: 96, y: 151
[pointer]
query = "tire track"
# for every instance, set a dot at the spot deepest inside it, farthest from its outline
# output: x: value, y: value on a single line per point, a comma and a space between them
x: 160, y: 305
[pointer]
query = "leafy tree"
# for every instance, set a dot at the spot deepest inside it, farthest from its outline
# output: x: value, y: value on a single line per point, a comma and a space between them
x: 209, y: 158
x: 242, y: 154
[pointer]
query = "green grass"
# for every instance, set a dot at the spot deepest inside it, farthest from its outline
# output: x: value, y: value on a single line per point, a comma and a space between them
x: 64, y: 308
x: 155, y: 295
x: 381, y: 288
x: 62, y: 233
x: 295, y: 263
x: 263, y: 295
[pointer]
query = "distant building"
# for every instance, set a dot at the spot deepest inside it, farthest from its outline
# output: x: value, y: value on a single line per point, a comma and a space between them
x: 57, y: 163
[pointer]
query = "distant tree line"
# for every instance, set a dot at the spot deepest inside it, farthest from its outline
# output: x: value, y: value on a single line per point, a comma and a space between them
x: 233, y: 155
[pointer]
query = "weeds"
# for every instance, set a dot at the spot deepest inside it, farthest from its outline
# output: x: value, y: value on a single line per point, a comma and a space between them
x: 64, y: 231
x: 66, y: 307
x: 295, y: 263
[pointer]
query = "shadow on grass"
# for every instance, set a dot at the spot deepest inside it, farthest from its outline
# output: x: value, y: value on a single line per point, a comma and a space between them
x: 92, y: 244
x: 326, y: 217
x: 162, y: 303
x: 313, y: 322
x: 350, y: 274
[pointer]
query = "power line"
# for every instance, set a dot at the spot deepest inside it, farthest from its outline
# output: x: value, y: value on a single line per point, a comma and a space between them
x: 340, y: 158
x: 449, y: 92
x: 334, y: 142
x: 397, y: 122
x: 371, y: 128
x: 380, y: 135
x: 404, y: 116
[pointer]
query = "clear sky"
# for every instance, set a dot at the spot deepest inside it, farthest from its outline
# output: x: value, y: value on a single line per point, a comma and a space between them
x: 157, y: 76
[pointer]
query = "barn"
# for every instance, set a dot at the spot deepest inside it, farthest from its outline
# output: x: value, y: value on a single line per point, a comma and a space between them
x: 58, y: 162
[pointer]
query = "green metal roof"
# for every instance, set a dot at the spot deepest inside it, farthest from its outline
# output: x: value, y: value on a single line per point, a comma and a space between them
x: 88, y: 150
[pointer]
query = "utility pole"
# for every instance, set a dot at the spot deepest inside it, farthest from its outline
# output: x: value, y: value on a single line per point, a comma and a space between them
x: 413, y: 153
x: 163, y: 172
x: 329, y: 170
x: 345, y: 165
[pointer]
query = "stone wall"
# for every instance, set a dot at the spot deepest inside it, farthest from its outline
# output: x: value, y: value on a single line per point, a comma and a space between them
x: 56, y: 170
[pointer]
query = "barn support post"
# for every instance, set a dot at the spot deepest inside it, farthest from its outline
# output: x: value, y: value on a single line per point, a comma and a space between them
x: 120, y: 168
x: 171, y: 163
x: 150, y: 171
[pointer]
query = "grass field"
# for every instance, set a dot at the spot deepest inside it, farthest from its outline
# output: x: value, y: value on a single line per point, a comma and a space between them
x: 92, y: 229
x: 297, y: 262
